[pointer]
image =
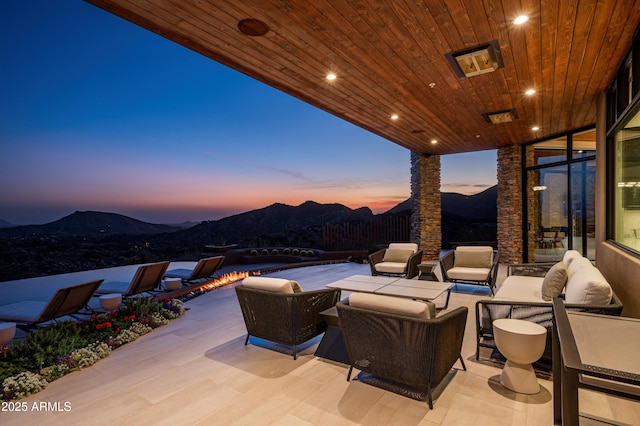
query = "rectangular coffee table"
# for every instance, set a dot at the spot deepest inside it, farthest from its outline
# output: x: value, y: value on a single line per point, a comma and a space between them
x: 391, y: 286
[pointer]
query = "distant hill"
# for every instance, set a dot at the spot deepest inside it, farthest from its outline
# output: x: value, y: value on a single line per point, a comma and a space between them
x: 480, y: 207
x: 5, y: 224
x: 90, y: 224
x: 183, y: 225
x: 282, y: 220
x: 92, y: 240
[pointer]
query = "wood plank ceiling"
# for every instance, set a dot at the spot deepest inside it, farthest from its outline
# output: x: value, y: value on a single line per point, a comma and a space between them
x: 389, y: 58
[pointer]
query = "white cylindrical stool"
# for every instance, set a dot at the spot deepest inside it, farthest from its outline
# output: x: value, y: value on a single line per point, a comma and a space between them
x: 172, y: 283
x: 7, y: 332
x: 110, y: 302
x: 521, y: 343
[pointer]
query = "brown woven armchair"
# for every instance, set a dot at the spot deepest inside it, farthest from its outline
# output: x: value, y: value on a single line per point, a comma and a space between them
x: 403, y: 354
x: 285, y: 318
x: 399, y: 259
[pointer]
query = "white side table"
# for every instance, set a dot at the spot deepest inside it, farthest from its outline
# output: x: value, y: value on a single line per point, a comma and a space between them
x: 110, y: 302
x: 7, y: 332
x: 522, y: 343
x: 172, y: 283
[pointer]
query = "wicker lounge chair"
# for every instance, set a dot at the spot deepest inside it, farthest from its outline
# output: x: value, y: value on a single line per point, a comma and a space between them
x: 146, y: 280
x: 204, y: 269
x: 286, y: 318
x: 401, y: 353
x: 399, y: 259
x: 30, y: 314
x: 471, y: 265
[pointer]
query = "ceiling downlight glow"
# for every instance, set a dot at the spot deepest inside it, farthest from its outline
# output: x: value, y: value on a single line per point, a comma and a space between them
x: 530, y: 92
x: 521, y: 19
x: 331, y: 76
x: 394, y: 116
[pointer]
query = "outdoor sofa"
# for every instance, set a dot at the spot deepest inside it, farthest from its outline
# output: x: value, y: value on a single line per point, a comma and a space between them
x: 527, y: 292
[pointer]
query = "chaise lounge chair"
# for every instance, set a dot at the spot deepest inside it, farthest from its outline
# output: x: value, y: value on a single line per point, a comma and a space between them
x: 203, y: 270
x: 146, y: 280
x: 29, y: 314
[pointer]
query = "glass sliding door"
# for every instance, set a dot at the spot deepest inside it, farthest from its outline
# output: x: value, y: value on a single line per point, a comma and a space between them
x: 548, y: 213
x: 560, y: 197
x: 583, y: 226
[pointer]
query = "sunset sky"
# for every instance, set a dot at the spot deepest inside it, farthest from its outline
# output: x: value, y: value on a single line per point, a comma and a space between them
x: 99, y: 114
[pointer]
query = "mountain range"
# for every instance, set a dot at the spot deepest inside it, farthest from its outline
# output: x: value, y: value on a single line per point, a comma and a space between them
x: 480, y: 207
x: 90, y: 240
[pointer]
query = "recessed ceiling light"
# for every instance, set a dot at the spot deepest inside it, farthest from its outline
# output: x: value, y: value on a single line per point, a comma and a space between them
x: 535, y: 128
x: 331, y: 76
x: 253, y: 27
x: 433, y: 141
x: 530, y: 92
x: 432, y: 85
x: 394, y: 116
x: 521, y: 19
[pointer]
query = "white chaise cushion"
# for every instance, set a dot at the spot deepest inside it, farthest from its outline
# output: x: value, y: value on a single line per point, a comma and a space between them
x: 554, y: 281
x: 279, y: 285
x: 587, y: 285
x: 393, y: 305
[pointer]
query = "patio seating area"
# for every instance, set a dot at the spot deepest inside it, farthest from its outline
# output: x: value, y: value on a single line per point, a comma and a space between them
x: 197, y: 370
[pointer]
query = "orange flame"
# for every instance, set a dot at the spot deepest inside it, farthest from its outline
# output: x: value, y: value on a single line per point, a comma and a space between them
x: 225, y: 279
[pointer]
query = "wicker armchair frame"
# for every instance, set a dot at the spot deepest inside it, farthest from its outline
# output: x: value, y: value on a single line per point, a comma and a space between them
x: 448, y: 260
x: 410, y: 271
x: 285, y: 318
x: 402, y: 350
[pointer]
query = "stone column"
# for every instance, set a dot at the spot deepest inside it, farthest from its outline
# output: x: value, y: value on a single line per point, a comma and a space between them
x: 510, y: 237
x: 426, y: 204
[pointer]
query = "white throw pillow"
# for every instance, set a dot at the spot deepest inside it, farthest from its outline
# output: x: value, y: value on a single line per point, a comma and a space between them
x: 569, y: 256
x: 393, y: 305
x: 576, y: 264
x: 279, y: 285
x: 554, y: 281
x: 587, y: 286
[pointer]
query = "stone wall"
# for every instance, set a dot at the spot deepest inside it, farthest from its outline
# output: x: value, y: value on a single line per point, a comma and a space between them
x: 426, y: 204
x: 510, y: 238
